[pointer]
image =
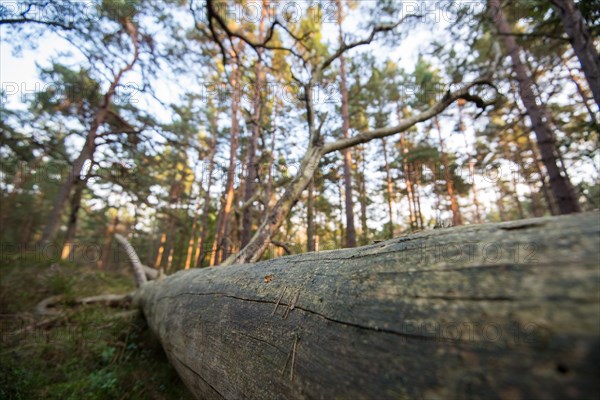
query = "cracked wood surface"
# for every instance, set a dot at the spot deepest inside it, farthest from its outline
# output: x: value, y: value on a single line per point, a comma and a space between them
x: 507, y: 310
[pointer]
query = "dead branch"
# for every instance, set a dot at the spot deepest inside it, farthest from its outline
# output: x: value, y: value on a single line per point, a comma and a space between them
x: 47, y: 307
x: 138, y: 268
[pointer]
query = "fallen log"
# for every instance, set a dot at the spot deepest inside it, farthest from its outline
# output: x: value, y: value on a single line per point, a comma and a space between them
x: 507, y: 311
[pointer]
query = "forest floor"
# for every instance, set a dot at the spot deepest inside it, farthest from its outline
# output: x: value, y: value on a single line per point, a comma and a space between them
x: 88, y: 352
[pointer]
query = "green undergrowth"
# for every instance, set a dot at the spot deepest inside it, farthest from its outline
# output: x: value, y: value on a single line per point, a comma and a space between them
x: 88, y: 352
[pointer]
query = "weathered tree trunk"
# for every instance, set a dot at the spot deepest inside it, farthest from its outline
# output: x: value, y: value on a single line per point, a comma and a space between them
x: 564, y: 195
x: 506, y: 310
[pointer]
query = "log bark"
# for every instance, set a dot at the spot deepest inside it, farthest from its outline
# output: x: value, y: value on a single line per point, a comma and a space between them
x: 507, y: 310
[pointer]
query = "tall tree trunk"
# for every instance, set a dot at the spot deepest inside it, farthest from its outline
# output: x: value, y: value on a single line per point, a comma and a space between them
x: 161, y: 249
x: 168, y: 243
x: 563, y: 192
x: 538, y: 165
x: 166, y: 237
x: 201, y: 244
x: 513, y: 191
x: 225, y: 211
x: 349, y: 204
x: 73, y: 176
x: 516, y: 197
x: 194, y: 229
x: 472, y: 160
x: 581, y: 90
x: 69, y: 243
x: 390, y: 190
x: 500, y: 204
x: 251, y: 166
x: 476, y: 204
x: 536, y: 209
x: 406, y: 170
x: 90, y: 141
x: 310, y: 223
x: 185, y: 220
x: 582, y: 42
x: 269, y: 186
x: 410, y: 190
x: 169, y: 261
x: 27, y: 230
x: 417, y: 198
x: 341, y: 207
x: 189, y: 250
x: 104, y: 261
x: 449, y: 178
x: 10, y: 200
x: 193, y: 234
x: 359, y: 178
